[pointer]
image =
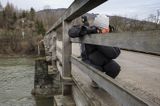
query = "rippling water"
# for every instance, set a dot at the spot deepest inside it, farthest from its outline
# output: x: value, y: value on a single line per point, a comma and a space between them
x: 16, y: 83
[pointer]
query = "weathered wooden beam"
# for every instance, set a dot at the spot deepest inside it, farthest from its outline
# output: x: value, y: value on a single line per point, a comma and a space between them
x: 93, y: 97
x: 81, y: 97
x: 123, y: 96
x: 77, y: 8
x: 144, y: 41
x: 66, y: 50
x: 97, y: 39
x: 65, y: 80
x: 66, y: 58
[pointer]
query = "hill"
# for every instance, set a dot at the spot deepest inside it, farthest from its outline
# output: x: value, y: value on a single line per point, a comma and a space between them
x: 121, y: 24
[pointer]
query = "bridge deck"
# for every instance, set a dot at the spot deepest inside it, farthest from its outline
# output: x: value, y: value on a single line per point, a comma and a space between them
x: 140, y: 73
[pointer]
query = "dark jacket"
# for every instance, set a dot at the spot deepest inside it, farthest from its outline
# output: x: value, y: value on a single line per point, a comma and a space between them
x: 97, y: 56
x: 100, y: 57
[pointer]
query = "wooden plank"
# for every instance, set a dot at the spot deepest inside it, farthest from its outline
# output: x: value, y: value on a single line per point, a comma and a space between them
x: 123, y: 96
x: 66, y: 51
x: 66, y: 57
x: 145, y: 41
x: 79, y: 98
x: 88, y: 94
x: 65, y: 80
x: 97, y: 39
x: 77, y: 8
x: 85, y: 96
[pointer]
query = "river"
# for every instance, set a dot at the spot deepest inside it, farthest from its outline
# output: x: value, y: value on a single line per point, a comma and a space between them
x: 16, y: 83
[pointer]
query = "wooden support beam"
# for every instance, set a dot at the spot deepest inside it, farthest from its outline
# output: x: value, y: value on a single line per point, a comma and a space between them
x: 66, y: 58
x: 123, y: 96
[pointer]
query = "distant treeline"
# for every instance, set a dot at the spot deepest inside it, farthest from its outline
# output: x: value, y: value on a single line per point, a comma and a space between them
x: 20, y: 30
x: 123, y: 24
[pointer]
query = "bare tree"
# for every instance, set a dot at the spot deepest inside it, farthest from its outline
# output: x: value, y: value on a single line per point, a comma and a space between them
x: 155, y: 18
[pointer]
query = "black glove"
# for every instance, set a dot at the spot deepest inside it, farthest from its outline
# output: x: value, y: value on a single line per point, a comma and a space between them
x: 79, y: 31
x: 89, y: 30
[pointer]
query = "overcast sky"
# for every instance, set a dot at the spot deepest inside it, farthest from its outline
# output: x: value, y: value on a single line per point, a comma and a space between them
x: 129, y: 8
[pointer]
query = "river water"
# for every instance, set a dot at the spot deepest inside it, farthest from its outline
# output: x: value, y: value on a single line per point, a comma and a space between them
x: 16, y: 83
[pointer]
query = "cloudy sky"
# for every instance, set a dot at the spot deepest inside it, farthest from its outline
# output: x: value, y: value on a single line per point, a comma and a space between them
x: 129, y: 8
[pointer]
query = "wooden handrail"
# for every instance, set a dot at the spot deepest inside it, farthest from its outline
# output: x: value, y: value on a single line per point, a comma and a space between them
x: 133, y: 41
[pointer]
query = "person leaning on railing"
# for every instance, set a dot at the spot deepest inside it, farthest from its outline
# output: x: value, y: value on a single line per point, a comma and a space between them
x: 100, y: 57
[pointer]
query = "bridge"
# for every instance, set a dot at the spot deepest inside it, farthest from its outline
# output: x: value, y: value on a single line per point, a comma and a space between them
x: 76, y: 76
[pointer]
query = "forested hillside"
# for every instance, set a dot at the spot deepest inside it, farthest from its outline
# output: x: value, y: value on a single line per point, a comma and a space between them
x: 19, y: 30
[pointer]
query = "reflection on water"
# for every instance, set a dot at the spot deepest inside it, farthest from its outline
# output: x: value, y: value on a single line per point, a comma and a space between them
x: 16, y: 83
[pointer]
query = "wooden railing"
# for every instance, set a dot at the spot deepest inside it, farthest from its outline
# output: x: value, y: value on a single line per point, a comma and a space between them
x: 78, y: 8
